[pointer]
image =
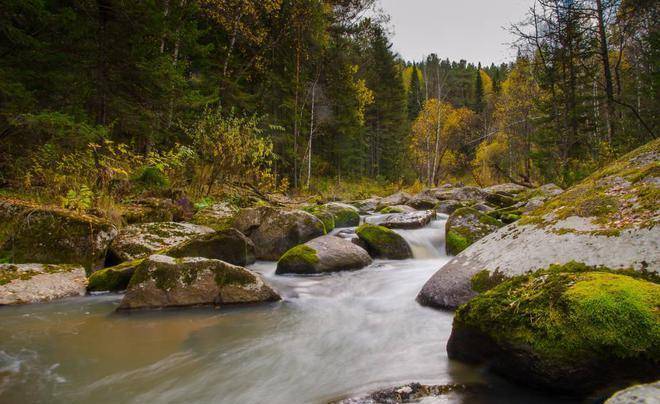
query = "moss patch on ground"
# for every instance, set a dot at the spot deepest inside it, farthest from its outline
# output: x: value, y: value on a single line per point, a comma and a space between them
x: 571, y: 313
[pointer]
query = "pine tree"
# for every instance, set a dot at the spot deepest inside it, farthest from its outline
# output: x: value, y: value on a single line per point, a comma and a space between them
x: 414, y: 95
x: 478, y: 91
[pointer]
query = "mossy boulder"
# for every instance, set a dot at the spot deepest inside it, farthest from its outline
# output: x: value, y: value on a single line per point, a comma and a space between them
x: 500, y: 199
x: 449, y: 206
x: 140, y: 240
x: 323, y: 254
x: 383, y: 242
x: 568, y: 329
x: 345, y: 214
x: 37, y: 283
x: 367, y: 206
x: 466, y: 226
x: 327, y: 218
x: 508, y: 188
x: 218, y: 216
x: 161, y: 282
x: 32, y: 233
x: 275, y: 231
x: 227, y: 245
x: 463, y: 194
x: 151, y: 210
x: 114, y: 278
x: 637, y: 394
x: 609, y: 219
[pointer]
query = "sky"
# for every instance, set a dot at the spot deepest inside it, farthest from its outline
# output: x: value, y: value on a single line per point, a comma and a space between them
x: 474, y: 30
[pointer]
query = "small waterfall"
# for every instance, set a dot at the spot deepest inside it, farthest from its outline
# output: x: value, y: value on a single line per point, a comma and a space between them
x: 427, y: 242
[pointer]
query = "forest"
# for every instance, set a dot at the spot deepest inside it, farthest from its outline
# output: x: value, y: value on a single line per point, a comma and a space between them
x: 101, y: 100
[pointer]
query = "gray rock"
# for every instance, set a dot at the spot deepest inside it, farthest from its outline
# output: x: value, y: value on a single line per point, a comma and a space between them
x: 323, y: 254
x: 37, y: 283
x: 397, y: 209
x: 274, y: 231
x: 227, y: 245
x: 411, y: 220
x: 161, y: 281
x: 423, y: 201
x: 639, y: 394
x: 345, y: 215
x: 367, y: 206
x: 482, y: 207
x: 408, y: 393
x: 399, y: 198
x: 509, y: 188
x: 449, y: 206
x: 466, y: 226
x: 141, y: 240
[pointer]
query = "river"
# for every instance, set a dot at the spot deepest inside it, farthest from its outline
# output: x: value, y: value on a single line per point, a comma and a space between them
x: 331, y: 336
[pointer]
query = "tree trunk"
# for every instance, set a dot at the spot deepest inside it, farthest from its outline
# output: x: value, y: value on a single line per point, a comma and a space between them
x: 607, y: 73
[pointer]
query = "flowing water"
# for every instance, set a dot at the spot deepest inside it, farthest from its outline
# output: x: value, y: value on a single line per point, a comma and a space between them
x: 331, y: 336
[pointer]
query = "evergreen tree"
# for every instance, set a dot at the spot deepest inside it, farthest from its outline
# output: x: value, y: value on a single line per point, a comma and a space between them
x: 478, y: 91
x: 414, y: 95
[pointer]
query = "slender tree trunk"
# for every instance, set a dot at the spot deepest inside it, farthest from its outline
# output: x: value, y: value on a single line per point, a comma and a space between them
x: 607, y: 73
x: 311, y: 134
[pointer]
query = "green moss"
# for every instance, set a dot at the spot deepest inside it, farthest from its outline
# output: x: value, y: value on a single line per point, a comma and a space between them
x: 570, y: 313
x: 327, y: 218
x: 114, y: 278
x: 383, y: 242
x: 229, y: 275
x: 392, y: 209
x: 9, y: 273
x: 300, y: 254
x: 346, y: 217
x: 486, y: 280
x: 455, y: 243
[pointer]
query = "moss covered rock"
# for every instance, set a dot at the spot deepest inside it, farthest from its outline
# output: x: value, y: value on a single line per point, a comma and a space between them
x: 161, y: 281
x: 327, y: 218
x: 367, y: 206
x: 32, y: 233
x: 323, y: 254
x: 396, y: 209
x: 423, y: 200
x: 569, y: 329
x: 151, y: 210
x: 610, y: 219
x: 140, y: 240
x: 410, y: 220
x: 37, y: 283
x: 465, y: 226
x: 449, y: 206
x: 275, y: 231
x: 227, y: 245
x: 218, y: 216
x: 345, y: 214
x: 399, y: 198
x: 114, y: 278
x: 383, y: 242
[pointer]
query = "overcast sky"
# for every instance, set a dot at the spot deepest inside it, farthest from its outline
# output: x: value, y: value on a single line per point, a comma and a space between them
x: 474, y: 30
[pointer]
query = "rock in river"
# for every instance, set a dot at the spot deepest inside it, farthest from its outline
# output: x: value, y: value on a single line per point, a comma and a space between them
x: 638, y: 394
x: 161, y: 281
x: 36, y: 283
x: 275, y: 231
x: 383, y: 242
x: 567, y: 329
x: 323, y: 254
x: 411, y: 220
x: 227, y: 245
x: 611, y: 219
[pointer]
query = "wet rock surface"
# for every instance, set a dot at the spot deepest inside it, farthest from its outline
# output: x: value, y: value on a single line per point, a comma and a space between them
x: 38, y: 283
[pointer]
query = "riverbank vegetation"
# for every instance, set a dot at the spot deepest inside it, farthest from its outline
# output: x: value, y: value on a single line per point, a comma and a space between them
x: 103, y: 101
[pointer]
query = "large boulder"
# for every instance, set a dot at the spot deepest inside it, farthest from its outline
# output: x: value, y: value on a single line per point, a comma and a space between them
x: 466, y: 226
x: 449, y: 206
x: 399, y: 198
x: 218, y: 216
x: 638, y: 394
x: 411, y: 220
x: 345, y: 215
x: 463, y: 194
x: 508, y: 188
x: 568, y: 329
x: 323, y: 254
x: 152, y: 209
x: 608, y: 219
x: 161, y: 281
x: 423, y: 201
x: 367, y: 206
x: 140, y: 240
x: 396, y: 209
x: 36, y: 283
x: 383, y: 242
x: 275, y: 231
x: 32, y: 233
x: 227, y: 245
